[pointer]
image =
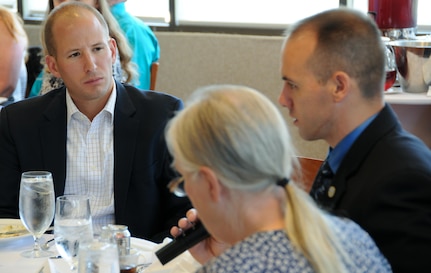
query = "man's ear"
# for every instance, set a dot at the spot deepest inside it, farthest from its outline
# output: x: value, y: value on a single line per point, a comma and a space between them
x: 214, y: 187
x: 52, y: 65
x: 113, y: 46
x: 341, y: 82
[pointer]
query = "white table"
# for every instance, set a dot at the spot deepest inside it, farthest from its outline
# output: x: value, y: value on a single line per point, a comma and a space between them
x: 12, y: 261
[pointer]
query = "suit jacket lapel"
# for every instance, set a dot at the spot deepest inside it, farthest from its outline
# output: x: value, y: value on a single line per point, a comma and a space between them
x: 381, y: 125
x: 125, y: 138
x: 53, y: 139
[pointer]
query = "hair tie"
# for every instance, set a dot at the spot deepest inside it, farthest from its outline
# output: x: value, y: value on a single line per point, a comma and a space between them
x: 282, y: 182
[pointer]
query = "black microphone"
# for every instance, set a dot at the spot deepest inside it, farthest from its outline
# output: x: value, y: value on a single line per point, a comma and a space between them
x: 181, y: 243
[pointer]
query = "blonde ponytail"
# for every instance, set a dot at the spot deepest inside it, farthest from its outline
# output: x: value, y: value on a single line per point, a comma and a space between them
x: 308, y: 229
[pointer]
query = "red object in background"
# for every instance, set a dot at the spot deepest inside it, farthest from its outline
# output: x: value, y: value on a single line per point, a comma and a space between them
x: 391, y: 76
x: 397, y: 14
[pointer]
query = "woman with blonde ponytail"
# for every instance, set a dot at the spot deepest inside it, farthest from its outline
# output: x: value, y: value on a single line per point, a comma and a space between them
x: 233, y: 150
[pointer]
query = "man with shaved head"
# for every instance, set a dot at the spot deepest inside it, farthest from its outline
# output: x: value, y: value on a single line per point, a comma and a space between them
x: 376, y: 173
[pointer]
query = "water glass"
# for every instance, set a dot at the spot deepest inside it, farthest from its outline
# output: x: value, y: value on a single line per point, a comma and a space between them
x: 129, y: 261
x: 36, y: 207
x: 72, y: 226
x: 99, y: 256
x: 390, y: 64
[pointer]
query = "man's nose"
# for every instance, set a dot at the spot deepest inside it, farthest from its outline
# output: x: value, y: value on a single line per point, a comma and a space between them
x: 90, y: 63
x: 282, y: 98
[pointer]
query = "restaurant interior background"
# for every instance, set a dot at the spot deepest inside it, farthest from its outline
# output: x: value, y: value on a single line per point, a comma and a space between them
x: 208, y: 42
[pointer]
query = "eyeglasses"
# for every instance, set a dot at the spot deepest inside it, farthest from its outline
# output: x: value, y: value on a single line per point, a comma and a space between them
x: 176, y: 186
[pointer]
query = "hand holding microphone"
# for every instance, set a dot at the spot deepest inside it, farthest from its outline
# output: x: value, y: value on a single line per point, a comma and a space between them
x: 183, y: 242
x: 194, y: 233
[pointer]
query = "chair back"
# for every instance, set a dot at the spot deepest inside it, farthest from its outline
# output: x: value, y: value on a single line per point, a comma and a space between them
x: 154, y: 69
x: 308, y: 171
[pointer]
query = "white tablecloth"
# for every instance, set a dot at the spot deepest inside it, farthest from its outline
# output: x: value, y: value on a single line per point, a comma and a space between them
x: 12, y: 261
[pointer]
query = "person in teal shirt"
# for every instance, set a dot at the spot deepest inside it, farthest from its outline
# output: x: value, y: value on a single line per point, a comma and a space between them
x: 142, y: 40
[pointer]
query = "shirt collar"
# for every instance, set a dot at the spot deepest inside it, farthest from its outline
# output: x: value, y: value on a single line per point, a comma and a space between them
x: 336, y: 155
x: 109, y: 106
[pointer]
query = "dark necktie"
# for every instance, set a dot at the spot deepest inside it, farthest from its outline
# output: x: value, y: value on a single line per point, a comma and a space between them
x: 320, y: 190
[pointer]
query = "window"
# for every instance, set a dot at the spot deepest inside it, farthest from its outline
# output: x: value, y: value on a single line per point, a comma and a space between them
x: 262, y: 14
x: 34, y: 10
x: 154, y: 12
x: 246, y: 13
x: 268, y: 13
x: 10, y: 4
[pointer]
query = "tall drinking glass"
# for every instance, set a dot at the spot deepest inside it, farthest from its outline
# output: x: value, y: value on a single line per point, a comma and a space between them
x: 390, y: 64
x: 72, y: 226
x: 36, y: 207
x: 99, y: 257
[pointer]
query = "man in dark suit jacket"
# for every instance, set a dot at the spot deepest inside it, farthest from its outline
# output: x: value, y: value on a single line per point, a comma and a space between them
x: 34, y: 132
x: 379, y: 175
x: 383, y: 183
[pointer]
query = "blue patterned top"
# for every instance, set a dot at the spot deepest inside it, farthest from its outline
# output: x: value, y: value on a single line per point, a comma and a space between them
x: 273, y: 252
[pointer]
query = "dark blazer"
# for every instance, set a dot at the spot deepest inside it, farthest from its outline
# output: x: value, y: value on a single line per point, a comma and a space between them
x: 384, y: 184
x: 33, y: 137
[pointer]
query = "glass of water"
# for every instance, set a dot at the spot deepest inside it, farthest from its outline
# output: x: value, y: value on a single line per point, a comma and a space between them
x: 99, y: 256
x: 390, y: 64
x: 36, y: 207
x: 72, y: 226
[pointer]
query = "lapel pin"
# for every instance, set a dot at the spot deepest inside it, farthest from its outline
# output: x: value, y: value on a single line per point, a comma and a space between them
x: 331, y: 191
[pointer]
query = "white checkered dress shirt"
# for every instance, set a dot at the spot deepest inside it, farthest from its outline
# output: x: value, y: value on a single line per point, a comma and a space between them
x: 90, y: 159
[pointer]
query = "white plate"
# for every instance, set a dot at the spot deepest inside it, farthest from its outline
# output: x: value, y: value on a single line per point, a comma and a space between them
x: 13, y: 225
